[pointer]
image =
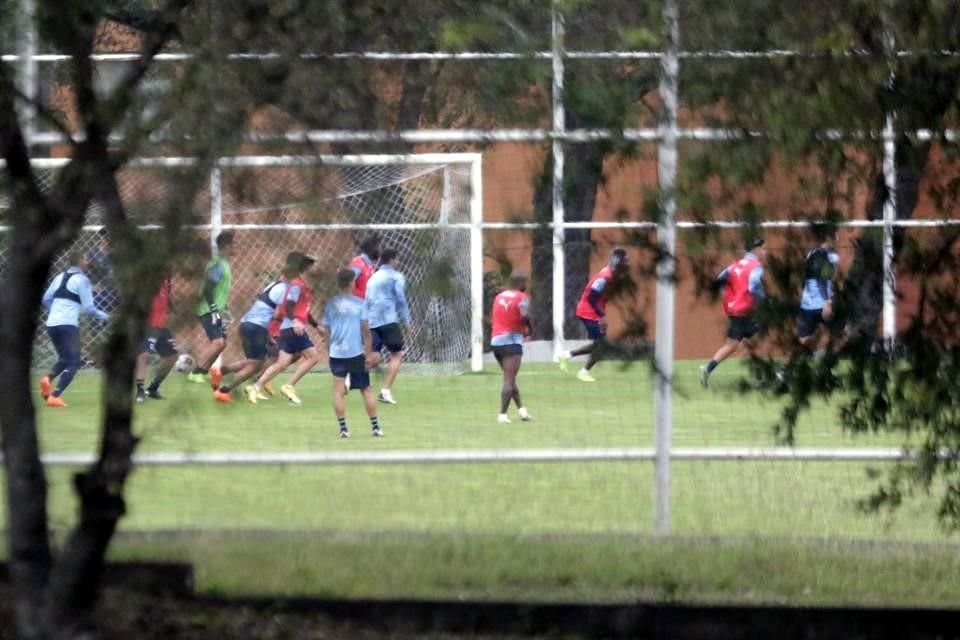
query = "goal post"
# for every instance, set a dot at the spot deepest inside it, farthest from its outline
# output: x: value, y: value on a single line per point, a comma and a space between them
x: 426, y: 206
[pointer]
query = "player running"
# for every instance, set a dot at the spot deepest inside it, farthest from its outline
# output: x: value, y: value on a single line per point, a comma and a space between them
x: 294, y: 311
x: 347, y: 331
x: 365, y: 264
x: 68, y: 294
x: 816, y: 303
x: 214, y: 296
x: 510, y: 325
x: 389, y: 316
x: 159, y: 341
x: 742, y: 284
x: 592, y: 312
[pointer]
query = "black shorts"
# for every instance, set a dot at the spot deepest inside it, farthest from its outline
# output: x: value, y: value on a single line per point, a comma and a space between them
x: 389, y: 336
x: 810, y: 319
x: 214, y: 330
x: 160, y: 342
x: 742, y: 328
x: 505, y: 350
x: 357, y: 369
x: 256, y: 341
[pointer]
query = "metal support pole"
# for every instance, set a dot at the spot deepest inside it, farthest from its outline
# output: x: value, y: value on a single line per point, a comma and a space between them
x: 559, y: 125
x: 27, y: 70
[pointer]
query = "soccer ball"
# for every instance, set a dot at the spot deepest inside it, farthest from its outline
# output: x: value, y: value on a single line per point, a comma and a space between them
x: 185, y: 363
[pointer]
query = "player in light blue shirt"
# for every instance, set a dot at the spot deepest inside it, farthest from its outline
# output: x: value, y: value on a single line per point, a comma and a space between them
x: 389, y: 316
x: 816, y: 302
x: 68, y: 294
x: 347, y: 332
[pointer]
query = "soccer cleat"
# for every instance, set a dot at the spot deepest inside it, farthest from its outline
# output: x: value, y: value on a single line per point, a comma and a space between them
x: 503, y: 419
x: 251, y: 392
x: 222, y: 397
x: 262, y: 396
x: 704, y: 376
x: 216, y: 377
x: 377, y: 432
x: 141, y: 396
x: 344, y: 434
x: 584, y: 376
x: 45, y: 387
x: 524, y: 414
x: 267, y: 389
x: 56, y: 401
x: 386, y: 396
x: 154, y: 394
x: 196, y: 378
x: 288, y: 392
x: 564, y: 359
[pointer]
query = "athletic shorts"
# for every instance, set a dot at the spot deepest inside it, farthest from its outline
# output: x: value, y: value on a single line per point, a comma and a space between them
x: 161, y: 342
x: 389, y: 336
x: 594, y: 330
x: 356, y: 367
x: 507, y: 350
x: 290, y: 342
x: 255, y: 340
x: 214, y: 330
x: 810, y: 319
x: 742, y: 328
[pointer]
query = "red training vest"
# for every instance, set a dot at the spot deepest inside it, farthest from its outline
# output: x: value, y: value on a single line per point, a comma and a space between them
x: 506, y: 312
x: 584, y: 308
x: 160, y: 305
x: 366, y: 270
x: 301, y: 308
x: 737, y: 299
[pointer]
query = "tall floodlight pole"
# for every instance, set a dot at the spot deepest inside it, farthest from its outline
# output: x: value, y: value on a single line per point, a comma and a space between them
x: 559, y: 125
x: 666, y: 268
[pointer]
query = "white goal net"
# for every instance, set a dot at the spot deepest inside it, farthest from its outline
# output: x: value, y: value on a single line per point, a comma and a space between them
x: 324, y: 206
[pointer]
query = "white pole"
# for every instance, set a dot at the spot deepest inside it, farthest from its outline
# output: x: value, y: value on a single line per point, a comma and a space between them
x: 889, y: 210
x: 216, y: 208
x: 27, y: 70
x: 559, y: 124
x: 666, y: 238
x: 476, y: 264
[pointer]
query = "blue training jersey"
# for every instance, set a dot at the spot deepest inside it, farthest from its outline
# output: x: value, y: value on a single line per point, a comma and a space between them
x: 387, y: 297
x: 261, y: 313
x: 344, y: 316
x: 821, y: 267
x: 65, y: 303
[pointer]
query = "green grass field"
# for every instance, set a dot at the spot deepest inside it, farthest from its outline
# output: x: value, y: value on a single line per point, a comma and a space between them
x: 547, y: 530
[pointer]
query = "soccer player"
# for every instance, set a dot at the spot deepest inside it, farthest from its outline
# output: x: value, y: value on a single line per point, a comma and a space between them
x: 510, y: 325
x: 255, y: 332
x: 816, y: 303
x: 365, y: 264
x: 387, y: 310
x: 347, y: 331
x: 68, y: 294
x: 592, y: 312
x: 213, y: 301
x: 742, y: 284
x: 294, y: 309
x: 159, y: 341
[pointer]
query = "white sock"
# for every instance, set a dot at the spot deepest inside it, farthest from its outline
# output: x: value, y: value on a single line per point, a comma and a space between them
x: 522, y: 412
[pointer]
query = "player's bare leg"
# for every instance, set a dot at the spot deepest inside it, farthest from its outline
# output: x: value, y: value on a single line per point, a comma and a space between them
x: 729, y: 348
x: 393, y: 368
x: 370, y: 404
x: 509, y: 390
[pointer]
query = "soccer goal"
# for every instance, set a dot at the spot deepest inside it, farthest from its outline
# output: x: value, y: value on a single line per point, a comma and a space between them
x: 426, y: 206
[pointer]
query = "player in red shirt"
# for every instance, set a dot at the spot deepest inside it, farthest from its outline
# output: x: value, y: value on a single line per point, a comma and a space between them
x: 742, y: 284
x: 159, y: 341
x: 592, y: 312
x: 365, y: 264
x: 511, y: 325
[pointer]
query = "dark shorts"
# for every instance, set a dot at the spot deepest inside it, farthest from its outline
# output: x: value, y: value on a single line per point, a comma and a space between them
x: 66, y: 340
x: 160, y: 342
x: 255, y: 340
x: 214, y: 330
x: 507, y: 350
x: 389, y: 336
x: 594, y: 330
x: 742, y: 328
x: 356, y: 367
x: 290, y: 342
x: 810, y: 319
